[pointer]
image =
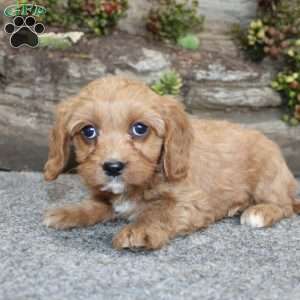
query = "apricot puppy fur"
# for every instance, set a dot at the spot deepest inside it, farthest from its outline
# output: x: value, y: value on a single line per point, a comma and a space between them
x: 144, y: 159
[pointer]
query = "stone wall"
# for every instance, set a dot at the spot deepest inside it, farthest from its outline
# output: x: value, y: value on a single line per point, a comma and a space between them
x: 219, y: 14
x: 229, y: 11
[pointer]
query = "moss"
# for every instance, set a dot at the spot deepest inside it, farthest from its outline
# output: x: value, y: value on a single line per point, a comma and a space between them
x: 189, y: 41
x: 57, y: 43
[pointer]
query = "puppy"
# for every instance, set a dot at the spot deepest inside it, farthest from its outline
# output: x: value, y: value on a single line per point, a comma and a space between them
x: 144, y: 159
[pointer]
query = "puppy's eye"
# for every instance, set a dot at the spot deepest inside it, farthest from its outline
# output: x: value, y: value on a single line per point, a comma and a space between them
x: 89, y: 132
x: 139, y: 130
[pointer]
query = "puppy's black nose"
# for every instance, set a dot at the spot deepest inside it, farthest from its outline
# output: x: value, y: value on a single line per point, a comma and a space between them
x: 113, y: 168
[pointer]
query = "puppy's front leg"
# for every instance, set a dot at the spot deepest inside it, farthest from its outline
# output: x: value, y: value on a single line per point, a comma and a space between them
x: 151, y: 229
x: 142, y: 235
x: 164, y: 219
x: 86, y: 213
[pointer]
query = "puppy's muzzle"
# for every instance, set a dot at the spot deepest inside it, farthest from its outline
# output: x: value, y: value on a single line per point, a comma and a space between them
x: 113, y: 168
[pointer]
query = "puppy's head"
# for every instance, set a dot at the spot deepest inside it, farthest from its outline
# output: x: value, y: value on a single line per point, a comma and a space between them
x: 121, y: 132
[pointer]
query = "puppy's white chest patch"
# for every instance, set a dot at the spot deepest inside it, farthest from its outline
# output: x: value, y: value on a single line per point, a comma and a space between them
x: 125, y: 208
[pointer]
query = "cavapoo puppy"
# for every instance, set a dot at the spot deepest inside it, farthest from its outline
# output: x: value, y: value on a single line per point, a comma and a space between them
x: 145, y: 159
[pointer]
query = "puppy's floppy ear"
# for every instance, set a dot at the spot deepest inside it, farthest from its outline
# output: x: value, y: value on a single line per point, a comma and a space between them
x: 178, y: 139
x: 59, y: 143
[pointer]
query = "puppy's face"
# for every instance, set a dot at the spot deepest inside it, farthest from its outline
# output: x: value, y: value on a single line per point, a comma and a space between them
x: 117, y: 141
x: 121, y: 131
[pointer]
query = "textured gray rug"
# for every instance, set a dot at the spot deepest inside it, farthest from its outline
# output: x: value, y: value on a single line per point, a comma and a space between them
x: 227, y: 261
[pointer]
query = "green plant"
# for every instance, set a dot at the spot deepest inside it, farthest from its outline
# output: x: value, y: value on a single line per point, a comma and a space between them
x: 288, y: 84
x: 277, y: 25
x: 174, y: 19
x: 276, y: 33
x: 170, y: 83
x: 190, y: 41
x: 254, y: 40
x: 97, y: 16
x: 293, y: 54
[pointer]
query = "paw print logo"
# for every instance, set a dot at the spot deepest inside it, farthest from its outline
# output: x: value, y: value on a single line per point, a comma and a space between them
x: 24, y: 31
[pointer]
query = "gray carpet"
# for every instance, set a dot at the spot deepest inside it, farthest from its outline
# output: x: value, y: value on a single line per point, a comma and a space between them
x: 227, y: 261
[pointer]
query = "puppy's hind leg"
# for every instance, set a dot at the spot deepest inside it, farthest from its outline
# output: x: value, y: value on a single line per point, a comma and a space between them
x: 86, y: 213
x: 273, y: 197
x: 262, y: 215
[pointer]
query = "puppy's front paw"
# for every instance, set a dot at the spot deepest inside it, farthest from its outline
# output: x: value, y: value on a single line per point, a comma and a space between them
x: 140, y: 236
x: 61, y: 218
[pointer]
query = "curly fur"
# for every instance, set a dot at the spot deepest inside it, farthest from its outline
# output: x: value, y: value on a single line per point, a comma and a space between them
x: 186, y: 174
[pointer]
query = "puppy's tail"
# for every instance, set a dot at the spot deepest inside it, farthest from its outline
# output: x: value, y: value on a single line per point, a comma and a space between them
x: 296, y: 206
